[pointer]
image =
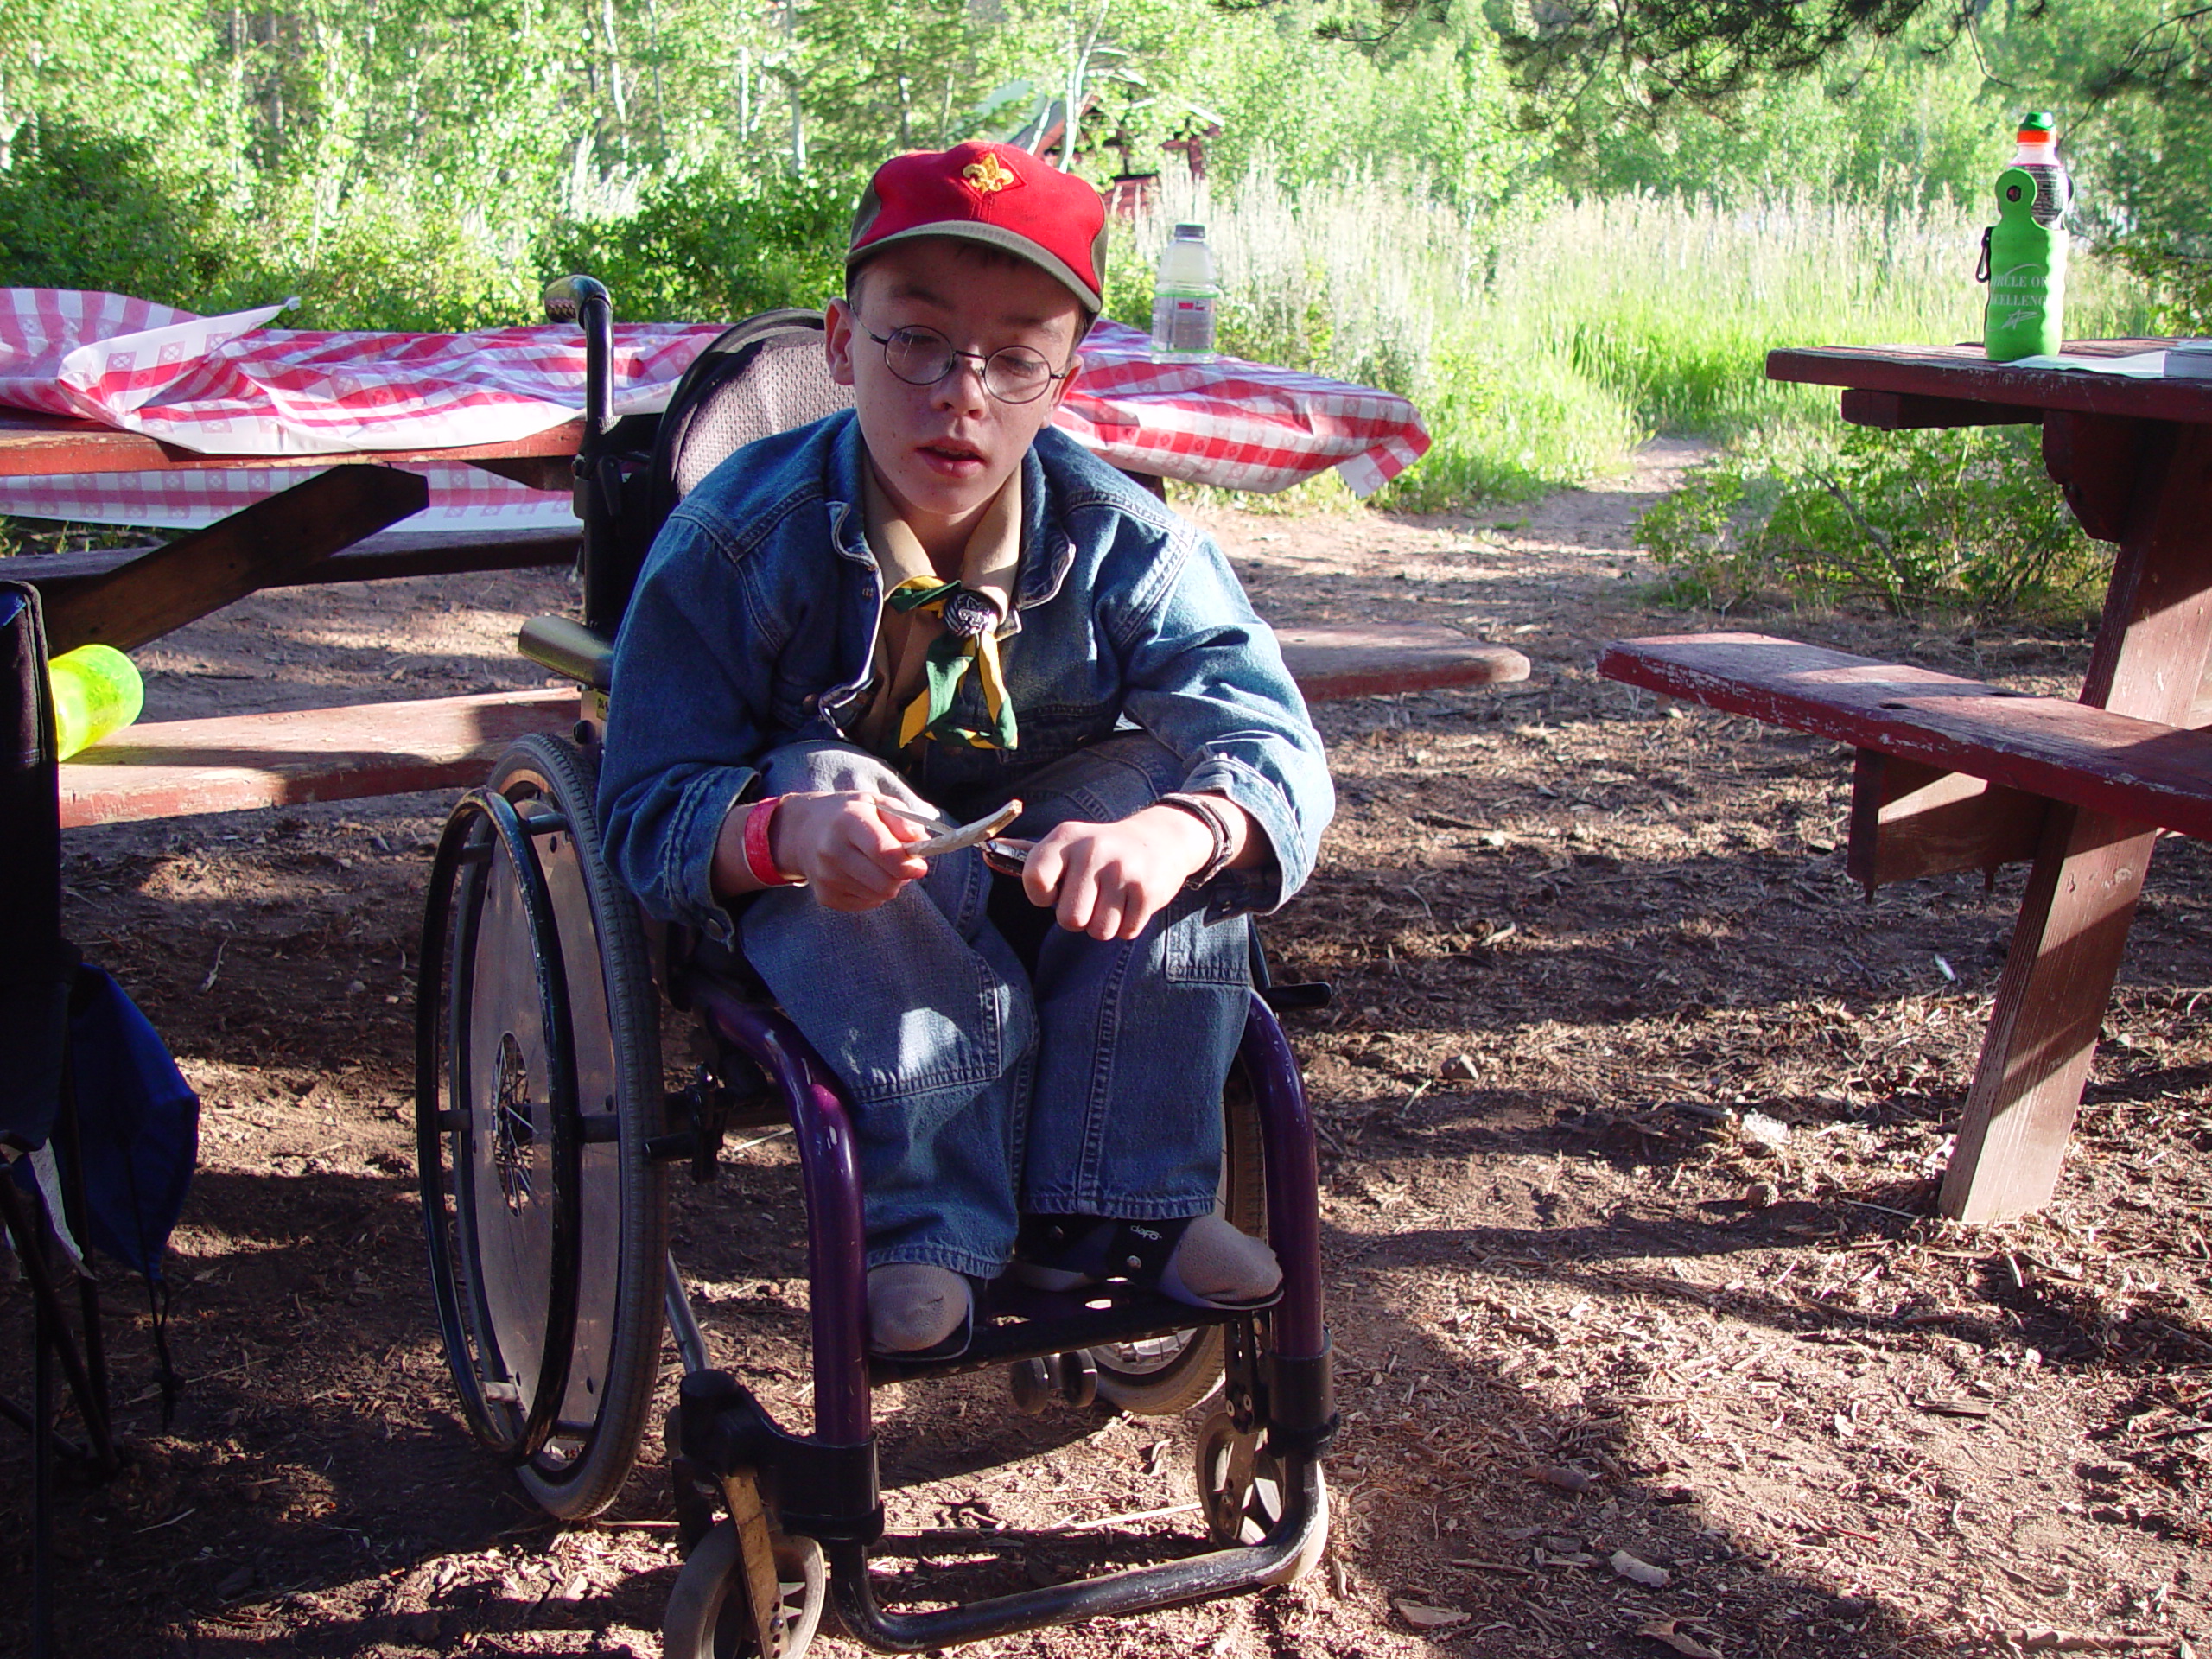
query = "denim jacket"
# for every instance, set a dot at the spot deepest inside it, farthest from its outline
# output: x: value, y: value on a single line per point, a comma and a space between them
x: 754, y: 625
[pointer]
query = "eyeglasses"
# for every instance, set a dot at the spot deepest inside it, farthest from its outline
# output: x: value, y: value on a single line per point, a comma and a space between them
x: 922, y: 356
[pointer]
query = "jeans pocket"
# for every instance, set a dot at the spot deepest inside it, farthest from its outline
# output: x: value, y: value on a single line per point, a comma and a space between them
x: 1200, y: 952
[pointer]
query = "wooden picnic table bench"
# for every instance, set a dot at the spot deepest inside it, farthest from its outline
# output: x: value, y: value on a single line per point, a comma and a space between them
x: 1953, y: 774
x: 236, y: 762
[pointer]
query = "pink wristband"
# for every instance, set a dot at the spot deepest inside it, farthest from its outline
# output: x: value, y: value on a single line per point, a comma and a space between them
x: 759, y: 862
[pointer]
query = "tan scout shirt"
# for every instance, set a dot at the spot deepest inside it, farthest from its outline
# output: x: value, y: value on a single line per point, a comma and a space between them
x: 903, y: 639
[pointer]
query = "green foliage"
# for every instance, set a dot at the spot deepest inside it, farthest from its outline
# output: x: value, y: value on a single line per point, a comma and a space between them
x: 1962, y: 520
x: 129, y: 69
x: 714, y: 246
x: 86, y: 211
x: 889, y: 77
x: 388, y: 259
x: 1889, y: 123
x: 1431, y: 100
x: 2180, y: 286
x: 22, y: 536
x: 1507, y: 431
x: 1700, y: 50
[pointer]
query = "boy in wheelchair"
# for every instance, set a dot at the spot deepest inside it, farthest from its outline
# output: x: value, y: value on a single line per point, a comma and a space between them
x: 854, y: 634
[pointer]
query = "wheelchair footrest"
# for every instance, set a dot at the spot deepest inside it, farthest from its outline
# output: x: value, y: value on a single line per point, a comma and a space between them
x: 1045, y: 1323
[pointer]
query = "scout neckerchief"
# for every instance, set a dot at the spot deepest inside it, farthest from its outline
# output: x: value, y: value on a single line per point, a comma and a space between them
x: 922, y: 665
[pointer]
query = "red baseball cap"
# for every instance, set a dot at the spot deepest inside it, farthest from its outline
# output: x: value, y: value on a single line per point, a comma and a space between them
x: 993, y: 194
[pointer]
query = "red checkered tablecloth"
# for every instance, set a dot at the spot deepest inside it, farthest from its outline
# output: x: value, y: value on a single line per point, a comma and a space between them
x: 228, y: 386
x: 1234, y: 424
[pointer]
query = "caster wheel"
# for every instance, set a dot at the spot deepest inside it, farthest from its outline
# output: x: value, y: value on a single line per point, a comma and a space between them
x: 1032, y: 1385
x: 1071, y: 1377
x: 1243, y: 1489
x: 707, y: 1617
x: 1079, y: 1378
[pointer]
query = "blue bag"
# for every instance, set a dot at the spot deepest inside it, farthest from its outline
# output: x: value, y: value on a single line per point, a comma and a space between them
x: 137, y: 1124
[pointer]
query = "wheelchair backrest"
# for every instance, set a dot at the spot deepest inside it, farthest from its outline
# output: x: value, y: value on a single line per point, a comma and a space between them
x: 761, y: 377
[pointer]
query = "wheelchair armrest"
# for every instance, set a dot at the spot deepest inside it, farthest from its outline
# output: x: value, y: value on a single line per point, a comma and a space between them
x: 570, y: 649
x: 1298, y: 999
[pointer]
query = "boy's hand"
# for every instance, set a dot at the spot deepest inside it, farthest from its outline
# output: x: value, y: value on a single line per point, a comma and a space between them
x: 852, y: 855
x: 849, y: 853
x: 1110, y: 880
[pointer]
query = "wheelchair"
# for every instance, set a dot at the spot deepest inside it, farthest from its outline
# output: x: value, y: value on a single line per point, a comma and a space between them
x: 545, y: 1136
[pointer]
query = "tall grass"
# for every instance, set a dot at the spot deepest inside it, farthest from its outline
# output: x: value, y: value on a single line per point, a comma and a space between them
x: 1543, y: 345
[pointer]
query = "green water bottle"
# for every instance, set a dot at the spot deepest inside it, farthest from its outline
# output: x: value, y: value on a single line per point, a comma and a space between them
x: 96, y: 690
x: 2024, y: 254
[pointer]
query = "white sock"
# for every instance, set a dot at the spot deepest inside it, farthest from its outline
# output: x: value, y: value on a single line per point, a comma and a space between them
x: 1215, y: 1265
x: 914, y: 1304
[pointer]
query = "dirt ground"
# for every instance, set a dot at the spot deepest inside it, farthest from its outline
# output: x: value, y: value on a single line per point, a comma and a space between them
x: 1633, y: 1108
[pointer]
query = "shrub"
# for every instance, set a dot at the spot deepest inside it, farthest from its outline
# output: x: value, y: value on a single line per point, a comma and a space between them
x: 1961, y: 519
x: 394, y: 259
x: 2180, y: 284
x: 713, y: 247
x: 86, y: 211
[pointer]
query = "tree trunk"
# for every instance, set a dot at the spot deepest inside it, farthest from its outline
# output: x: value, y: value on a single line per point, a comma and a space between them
x: 614, y: 78
x: 660, y: 97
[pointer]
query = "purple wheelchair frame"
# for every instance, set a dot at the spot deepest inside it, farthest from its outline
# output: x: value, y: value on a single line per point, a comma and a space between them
x: 1279, y: 1388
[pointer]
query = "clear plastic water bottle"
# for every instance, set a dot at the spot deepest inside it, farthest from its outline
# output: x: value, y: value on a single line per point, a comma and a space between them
x: 1184, y: 299
x: 2037, y: 156
x: 97, y: 691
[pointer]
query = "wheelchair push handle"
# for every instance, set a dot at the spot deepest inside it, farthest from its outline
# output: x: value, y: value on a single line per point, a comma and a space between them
x: 598, y: 467
x: 584, y: 300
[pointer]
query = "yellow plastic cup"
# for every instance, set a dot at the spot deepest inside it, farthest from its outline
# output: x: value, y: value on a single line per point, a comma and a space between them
x: 97, y: 691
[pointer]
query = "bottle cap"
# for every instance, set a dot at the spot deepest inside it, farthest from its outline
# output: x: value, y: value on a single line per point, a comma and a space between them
x: 1189, y: 232
x: 2037, y: 122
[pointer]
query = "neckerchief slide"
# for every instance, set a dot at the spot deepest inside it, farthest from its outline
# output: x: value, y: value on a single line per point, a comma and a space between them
x: 971, y: 620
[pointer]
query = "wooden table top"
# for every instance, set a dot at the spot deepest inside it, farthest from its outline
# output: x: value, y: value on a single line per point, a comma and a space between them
x: 1965, y: 373
x: 45, y: 446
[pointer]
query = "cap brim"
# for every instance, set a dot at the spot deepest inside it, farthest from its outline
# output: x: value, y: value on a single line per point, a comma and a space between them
x: 992, y: 235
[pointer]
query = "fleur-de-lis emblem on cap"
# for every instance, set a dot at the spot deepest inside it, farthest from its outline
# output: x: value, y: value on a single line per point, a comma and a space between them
x: 990, y: 175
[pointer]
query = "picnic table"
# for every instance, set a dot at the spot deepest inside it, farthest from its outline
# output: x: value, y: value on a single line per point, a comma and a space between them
x: 1953, y: 774
x: 303, y: 457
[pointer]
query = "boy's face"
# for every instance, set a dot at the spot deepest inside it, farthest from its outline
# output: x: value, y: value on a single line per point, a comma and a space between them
x: 942, y: 451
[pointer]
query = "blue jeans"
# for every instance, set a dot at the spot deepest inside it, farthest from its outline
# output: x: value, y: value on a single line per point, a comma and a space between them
x: 982, y: 1091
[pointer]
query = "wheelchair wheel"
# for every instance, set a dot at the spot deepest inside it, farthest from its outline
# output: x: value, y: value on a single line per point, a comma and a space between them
x: 1241, y: 1488
x: 547, y: 1216
x: 707, y: 1617
x: 1160, y: 1377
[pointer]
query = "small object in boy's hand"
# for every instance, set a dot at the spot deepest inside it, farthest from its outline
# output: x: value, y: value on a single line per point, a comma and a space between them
x: 967, y: 834
x: 1007, y: 857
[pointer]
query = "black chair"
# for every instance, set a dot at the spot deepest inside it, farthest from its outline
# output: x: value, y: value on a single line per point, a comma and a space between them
x: 38, y: 1121
x: 544, y: 1136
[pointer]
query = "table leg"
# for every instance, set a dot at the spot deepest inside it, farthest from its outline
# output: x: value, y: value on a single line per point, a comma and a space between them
x: 2050, y: 999
x: 265, y: 545
x: 2149, y: 658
